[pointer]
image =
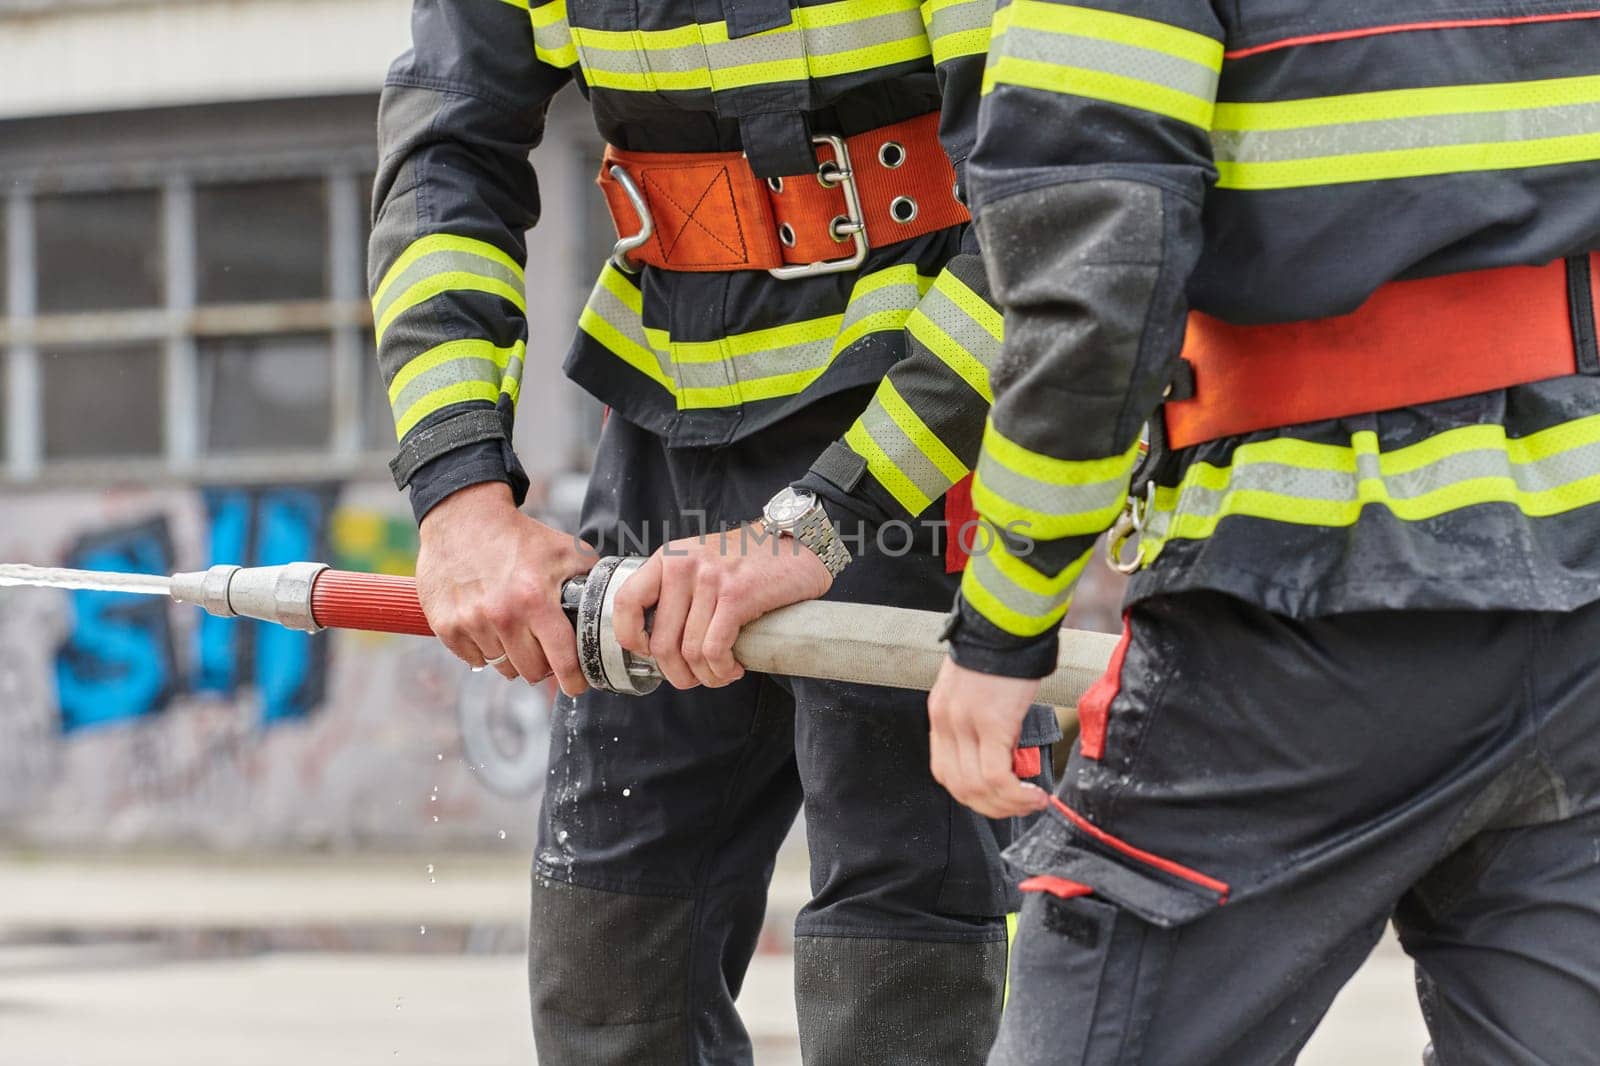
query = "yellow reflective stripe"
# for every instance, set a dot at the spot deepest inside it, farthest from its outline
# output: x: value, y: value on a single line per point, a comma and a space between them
x: 449, y: 352
x: 1407, y: 133
x: 741, y: 392
x: 1303, y: 483
x: 1121, y: 59
x: 451, y: 281
x: 704, y: 56
x: 461, y: 392
x: 1412, y: 163
x: 952, y: 355
x: 520, y: 5
x: 1408, y: 103
x: 961, y: 329
x: 625, y: 347
x: 442, y: 242
x: 760, y: 340
x: 926, y: 440
x: 1053, y: 471
x: 1112, y: 88
x: 902, y: 452
x: 957, y: 28
x: 1011, y: 945
x: 1149, y: 34
x: 1013, y: 596
x: 552, y: 38
x: 744, y: 367
x: 888, y: 473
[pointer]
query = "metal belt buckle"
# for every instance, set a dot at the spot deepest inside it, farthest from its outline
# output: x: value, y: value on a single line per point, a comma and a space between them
x: 647, y: 223
x: 851, y: 224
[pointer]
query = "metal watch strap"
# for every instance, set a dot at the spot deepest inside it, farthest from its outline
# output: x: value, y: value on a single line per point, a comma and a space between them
x: 816, y: 533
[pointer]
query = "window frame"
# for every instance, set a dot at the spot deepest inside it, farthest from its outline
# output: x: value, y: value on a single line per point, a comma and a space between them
x: 343, y: 314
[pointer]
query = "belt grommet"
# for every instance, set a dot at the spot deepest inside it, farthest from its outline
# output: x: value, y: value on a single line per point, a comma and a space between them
x: 891, y: 154
x: 902, y: 209
x: 786, y: 235
x: 775, y: 184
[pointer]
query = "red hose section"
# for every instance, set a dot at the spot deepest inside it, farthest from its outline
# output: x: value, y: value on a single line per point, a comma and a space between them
x: 376, y: 603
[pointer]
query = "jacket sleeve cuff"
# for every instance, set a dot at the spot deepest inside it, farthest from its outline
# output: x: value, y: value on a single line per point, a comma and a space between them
x: 840, y: 478
x: 470, y: 464
x: 976, y: 644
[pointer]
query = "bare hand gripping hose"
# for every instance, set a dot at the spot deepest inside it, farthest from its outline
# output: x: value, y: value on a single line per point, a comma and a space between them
x: 852, y: 642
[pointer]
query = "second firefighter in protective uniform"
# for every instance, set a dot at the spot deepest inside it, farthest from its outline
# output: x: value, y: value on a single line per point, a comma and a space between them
x: 799, y: 303
x: 1360, y: 678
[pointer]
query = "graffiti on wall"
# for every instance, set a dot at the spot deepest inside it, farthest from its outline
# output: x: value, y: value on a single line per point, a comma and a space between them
x: 126, y: 720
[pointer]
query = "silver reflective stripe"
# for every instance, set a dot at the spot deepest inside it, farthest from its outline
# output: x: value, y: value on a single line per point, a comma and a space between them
x: 900, y: 297
x: 605, y: 305
x: 960, y: 18
x: 1402, y: 134
x: 1284, y: 492
x: 441, y: 262
x: 752, y: 366
x: 984, y: 569
x: 968, y: 333
x: 555, y: 39
x: 887, y: 28
x: 791, y: 47
x: 903, y: 452
x: 1111, y: 57
x: 1050, y: 509
x: 467, y: 368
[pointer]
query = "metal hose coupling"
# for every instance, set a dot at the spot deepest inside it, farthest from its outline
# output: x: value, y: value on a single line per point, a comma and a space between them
x: 607, y: 665
x: 280, y: 594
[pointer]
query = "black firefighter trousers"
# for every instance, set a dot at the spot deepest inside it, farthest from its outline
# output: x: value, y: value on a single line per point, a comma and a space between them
x: 663, y: 815
x: 1263, y: 795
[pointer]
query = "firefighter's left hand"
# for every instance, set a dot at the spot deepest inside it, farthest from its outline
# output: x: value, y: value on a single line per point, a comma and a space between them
x: 704, y: 590
x: 974, y: 721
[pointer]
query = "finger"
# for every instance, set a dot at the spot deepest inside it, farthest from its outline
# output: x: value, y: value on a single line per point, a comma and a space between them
x: 526, y: 655
x: 638, y: 593
x: 560, y: 647
x: 491, y: 650
x: 720, y: 635
x: 701, y: 610
x: 1004, y: 794
x: 966, y: 778
x: 941, y: 757
x: 666, y: 631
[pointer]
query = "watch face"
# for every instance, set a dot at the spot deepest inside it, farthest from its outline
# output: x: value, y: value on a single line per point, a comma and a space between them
x: 789, y: 506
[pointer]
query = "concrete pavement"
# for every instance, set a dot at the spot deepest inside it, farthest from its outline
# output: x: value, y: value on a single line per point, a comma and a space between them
x: 173, y: 962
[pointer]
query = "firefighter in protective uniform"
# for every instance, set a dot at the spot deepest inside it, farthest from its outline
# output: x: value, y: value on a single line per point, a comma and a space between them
x: 1349, y: 248
x: 794, y: 329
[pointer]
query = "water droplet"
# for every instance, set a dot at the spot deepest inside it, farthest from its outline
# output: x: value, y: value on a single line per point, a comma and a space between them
x: 436, y: 817
x: 434, y: 798
x: 616, y: 738
x: 627, y: 792
x: 561, y: 837
x: 431, y: 881
x: 502, y: 834
x: 422, y: 930
x: 440, y: 756
x: 430, y: 867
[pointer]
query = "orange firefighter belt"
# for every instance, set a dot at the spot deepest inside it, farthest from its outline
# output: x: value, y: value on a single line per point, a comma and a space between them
x: 1412, y: 342
x: 707, y: 211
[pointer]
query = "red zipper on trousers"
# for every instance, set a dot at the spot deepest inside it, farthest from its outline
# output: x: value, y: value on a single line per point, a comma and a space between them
x: 1166, y: 866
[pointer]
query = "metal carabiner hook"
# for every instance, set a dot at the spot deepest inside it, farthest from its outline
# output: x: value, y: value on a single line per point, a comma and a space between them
x: 1130, y: 523
x: 647, y: 224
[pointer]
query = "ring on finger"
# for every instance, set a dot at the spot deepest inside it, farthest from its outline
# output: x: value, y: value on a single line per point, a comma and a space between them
x: 496, y: 661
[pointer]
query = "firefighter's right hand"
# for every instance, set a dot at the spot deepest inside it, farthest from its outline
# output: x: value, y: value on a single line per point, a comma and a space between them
x: 489, y: 578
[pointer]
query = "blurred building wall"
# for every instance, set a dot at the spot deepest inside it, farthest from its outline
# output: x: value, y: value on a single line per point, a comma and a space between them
x: 187, y: 379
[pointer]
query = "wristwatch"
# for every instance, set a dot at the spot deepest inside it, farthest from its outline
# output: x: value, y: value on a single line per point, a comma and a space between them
x: 800, y: 514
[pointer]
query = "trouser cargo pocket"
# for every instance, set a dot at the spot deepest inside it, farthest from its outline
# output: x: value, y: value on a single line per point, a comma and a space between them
x: 1098, y: 921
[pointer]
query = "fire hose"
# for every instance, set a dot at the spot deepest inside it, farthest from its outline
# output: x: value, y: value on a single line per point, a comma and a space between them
x: 861, y: 643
